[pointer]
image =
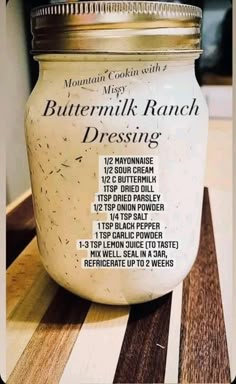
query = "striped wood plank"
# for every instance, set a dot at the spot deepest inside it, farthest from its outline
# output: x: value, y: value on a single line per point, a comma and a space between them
x: 46, y: 354
x: 24, y: 320
x: 203, y: 348
x: 172, y: 361
x: 143, y: 353
x: 96, y: 351
x: 21, y: 275
x: 29, y: 293
x: 222, y: 215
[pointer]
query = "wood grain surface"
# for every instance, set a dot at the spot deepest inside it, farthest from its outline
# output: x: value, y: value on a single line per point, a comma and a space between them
x: 23, y: 321
x: 100, y: 342
x: 203, y: 348
x: 21, y: 275
x: 55, y: 337
x: 30, y: 291
x: 46, y: 355
x: 143, y: 353
x: 171, y: 368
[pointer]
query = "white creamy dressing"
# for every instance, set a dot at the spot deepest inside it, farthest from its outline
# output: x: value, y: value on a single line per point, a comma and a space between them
x: 65, y: 171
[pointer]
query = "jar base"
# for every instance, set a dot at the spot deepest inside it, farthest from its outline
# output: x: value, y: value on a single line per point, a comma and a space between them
x: 140, y: 298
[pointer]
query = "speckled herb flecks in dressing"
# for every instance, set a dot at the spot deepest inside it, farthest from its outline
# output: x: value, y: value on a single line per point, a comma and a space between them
x: 65, y: 173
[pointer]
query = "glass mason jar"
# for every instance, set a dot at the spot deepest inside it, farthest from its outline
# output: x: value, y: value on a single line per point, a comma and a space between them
x: 116, y: 131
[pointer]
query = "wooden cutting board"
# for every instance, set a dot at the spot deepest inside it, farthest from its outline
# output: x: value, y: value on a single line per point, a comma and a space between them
x: 55, y: 337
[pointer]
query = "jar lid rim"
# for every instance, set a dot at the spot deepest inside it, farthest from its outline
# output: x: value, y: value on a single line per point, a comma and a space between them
x: 159, y: 9
x: 115, y: 25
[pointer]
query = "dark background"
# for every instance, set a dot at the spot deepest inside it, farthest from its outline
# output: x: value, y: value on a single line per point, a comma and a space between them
x: 215, y: 64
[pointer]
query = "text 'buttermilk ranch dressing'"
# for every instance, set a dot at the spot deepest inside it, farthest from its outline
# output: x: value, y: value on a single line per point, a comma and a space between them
x: 116, y: 131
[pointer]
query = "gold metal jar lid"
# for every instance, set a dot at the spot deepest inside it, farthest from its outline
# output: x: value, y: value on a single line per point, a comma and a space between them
x: 115, y: 27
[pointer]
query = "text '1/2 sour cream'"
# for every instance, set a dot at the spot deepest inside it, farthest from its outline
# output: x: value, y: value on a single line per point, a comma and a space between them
x: 116, y: 131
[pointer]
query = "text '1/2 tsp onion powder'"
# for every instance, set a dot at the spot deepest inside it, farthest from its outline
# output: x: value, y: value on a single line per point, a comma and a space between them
x: 116, y: 131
